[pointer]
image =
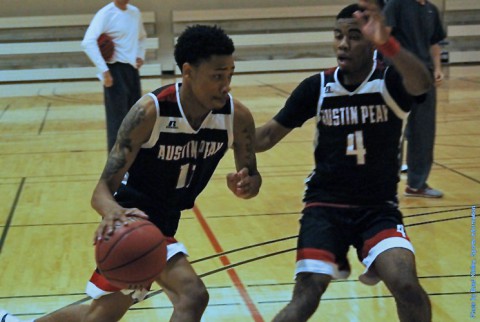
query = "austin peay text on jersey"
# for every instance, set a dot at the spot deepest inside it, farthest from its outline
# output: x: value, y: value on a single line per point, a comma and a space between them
x: 351, y: 115
x: 192, y: 149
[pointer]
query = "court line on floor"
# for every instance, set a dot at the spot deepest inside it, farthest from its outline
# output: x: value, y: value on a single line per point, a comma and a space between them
x: 370, y: 297
x: 4, y: 111
x: 8, y: 223
x: 438, y: 212
x: 226, y: 262
x: 457, y: 172
x: 230, y: 266
x: 44, y: 121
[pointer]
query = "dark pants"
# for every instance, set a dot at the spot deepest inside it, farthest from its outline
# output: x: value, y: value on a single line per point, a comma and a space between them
x: 120, y: 97
x: 420, y: 135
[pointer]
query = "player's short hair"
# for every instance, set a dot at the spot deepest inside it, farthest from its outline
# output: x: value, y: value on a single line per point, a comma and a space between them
x: 348, y: 11
x: 198, y: 43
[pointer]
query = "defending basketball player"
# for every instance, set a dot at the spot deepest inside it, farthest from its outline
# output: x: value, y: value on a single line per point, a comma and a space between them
x: 170, y: 144
x: 351, y: 196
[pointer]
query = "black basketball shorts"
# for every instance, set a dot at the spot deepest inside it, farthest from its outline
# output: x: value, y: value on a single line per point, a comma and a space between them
x: 327, y: 232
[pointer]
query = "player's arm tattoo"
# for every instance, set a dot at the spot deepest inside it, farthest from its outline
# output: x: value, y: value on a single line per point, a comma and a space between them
x: 117, y: 158
x: 248, y: 135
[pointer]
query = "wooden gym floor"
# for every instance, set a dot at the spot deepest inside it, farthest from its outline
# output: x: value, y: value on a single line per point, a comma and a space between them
x: 52, y: 153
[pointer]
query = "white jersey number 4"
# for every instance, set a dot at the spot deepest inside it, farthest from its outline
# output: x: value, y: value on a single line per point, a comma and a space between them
x: 355, y: 146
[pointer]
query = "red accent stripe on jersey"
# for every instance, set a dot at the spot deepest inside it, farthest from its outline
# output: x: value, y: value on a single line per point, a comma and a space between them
x: 330, y: 71
x: 101, y: 282
x: 171, y: 240
x: 168, y: 94
x: 313, y: 253
x: 231, y: 272
x: 384, y: 234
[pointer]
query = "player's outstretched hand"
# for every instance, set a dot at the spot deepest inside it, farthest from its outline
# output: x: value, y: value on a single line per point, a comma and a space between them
x: 372, y: 22
x: 242, y: 184
x: 116, y: 218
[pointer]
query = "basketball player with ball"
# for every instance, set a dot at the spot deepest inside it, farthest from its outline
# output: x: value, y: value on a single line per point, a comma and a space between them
x: 167, y: 149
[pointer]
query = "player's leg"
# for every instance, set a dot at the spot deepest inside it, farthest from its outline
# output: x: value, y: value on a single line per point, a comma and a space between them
x: 389, y: 256
x: 108, y: 308
x: 109, y: 304
x: 184, y: 288
x: 308, y: 290
x: 74, y: 313
x: 396, y: 268
x: 321, y: 256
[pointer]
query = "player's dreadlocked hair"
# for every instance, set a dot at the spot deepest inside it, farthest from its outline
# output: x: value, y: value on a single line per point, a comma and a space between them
x: 199, y: 42
x: 348, y: 11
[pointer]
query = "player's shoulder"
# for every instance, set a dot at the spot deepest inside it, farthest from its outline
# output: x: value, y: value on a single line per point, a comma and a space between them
x: 239, y: 106
x: 144, y: 110
x: 242, y: 112
x: 167, y: 93
x: 310, y: 84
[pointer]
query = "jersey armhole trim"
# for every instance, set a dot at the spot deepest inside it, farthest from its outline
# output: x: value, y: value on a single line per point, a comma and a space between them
x: 397, y: 110
x: 156, y: 128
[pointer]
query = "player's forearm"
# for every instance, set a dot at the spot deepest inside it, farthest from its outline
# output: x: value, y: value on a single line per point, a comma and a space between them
x: 268, y: 135
x: 102, y: 199
x: 262, y: 139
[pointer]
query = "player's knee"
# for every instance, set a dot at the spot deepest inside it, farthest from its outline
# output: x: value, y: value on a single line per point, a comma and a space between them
x: 408, y: 291
x: 309, y: 288
x: 195, y: 298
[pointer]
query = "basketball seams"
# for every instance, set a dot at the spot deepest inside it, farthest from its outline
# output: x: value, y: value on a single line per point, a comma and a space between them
x: 144, y: 279
x: 125, y: 235
x: 132, y: 257
x: 156, y: 246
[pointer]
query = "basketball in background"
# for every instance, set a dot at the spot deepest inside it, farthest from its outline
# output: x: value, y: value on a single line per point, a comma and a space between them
x: 133, y: 256
x: 106, y: 46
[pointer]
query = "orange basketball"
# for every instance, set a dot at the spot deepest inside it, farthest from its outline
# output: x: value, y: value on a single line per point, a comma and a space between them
x: 133, y: 256
x: 106, y: 46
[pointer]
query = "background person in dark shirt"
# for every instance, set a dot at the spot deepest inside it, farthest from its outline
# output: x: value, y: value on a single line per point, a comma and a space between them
x: 417, y: 26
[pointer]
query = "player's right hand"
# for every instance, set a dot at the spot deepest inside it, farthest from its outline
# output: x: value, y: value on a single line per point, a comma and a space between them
x: 116, y: 219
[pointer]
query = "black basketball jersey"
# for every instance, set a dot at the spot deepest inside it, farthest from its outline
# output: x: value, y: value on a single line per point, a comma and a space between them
x: 177, y: 162
x: 358, y: 135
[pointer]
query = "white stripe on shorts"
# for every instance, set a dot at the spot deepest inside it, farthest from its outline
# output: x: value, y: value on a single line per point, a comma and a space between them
x: 386, y: 244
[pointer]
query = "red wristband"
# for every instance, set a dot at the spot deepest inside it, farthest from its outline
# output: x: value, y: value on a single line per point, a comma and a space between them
x: 390, y: 48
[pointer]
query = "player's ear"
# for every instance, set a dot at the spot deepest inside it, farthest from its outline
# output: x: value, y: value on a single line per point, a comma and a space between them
x: 187, y: 70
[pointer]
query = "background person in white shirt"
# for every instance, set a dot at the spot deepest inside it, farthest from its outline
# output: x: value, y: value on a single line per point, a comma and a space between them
x: 120, y: 76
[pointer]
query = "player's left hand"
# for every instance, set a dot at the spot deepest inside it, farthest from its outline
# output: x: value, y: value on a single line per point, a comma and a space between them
x: 242, y: 184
